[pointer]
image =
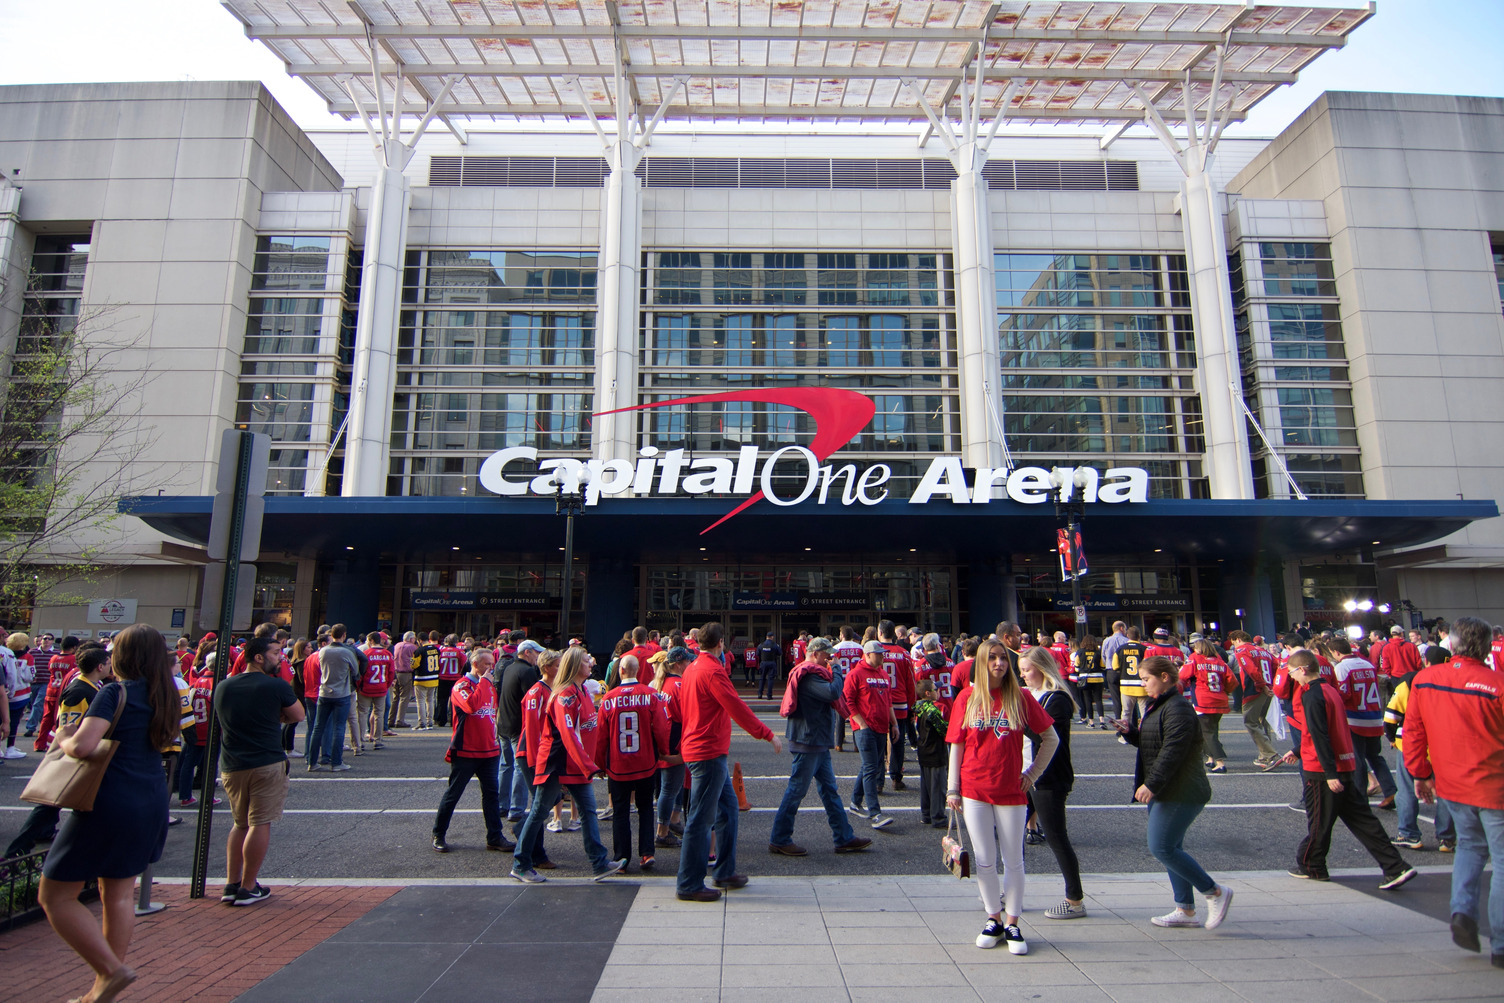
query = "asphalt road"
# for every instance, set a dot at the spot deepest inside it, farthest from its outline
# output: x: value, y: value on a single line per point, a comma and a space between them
x: 375, y: 821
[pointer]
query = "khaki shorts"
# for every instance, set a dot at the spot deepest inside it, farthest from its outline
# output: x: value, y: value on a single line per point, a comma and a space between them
x: 256, y: 795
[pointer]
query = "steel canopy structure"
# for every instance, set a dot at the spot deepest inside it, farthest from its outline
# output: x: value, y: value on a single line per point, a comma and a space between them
x: 818, y: 61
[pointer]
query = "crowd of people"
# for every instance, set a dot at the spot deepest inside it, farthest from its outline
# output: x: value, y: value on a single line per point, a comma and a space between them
x: 989, y: 721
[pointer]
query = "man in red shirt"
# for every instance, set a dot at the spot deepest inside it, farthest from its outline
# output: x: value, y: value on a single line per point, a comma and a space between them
x: 1255, y: 668
x: 709, y: 701
x: 451, y: 667
x: 1327, y: 762
x: 900, y: 669
x: 60, y: 669
x: 1397, y: 658
x: 869, y: 694
x: 1454, y: 748
x: 631, y: 736
x: 474, y: 752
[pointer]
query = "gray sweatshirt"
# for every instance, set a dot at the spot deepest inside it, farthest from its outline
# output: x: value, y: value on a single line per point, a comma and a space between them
x: 337, y: 671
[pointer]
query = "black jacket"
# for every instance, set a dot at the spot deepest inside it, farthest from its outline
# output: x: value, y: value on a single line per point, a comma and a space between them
x: 1059, y: 775
x: 517, y: 680
x: 1169, y: 752
x: 814, y: 723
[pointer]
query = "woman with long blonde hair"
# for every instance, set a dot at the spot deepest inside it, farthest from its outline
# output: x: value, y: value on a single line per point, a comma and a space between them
x: 1041, y: 674
x: 989, y: 785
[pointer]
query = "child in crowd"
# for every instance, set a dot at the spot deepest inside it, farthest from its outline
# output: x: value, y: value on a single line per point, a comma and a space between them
x: 933, y: 755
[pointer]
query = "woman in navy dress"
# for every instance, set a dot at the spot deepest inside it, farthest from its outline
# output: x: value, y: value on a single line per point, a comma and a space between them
x: 128, y: 826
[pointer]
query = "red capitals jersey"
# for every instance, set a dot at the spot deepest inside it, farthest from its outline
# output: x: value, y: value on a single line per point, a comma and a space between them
x: 631, y: 732
x: 202, y: 681
x: 1212, y: 678
x: 1062, y: 653
x: 1169, y: 651
x: 1287, y: 689
x: 749, y: 657
x: 1256, y: 666
x: 378, y: 677
x: 474, y: 703
x: 1358, y: 682
x: 1496, y: 655
x: 451, y: 662
x: 561, y: 750
x: 796, y: 651
x: 532, y: 721
x: 940, y: 676
x: 900, y: 670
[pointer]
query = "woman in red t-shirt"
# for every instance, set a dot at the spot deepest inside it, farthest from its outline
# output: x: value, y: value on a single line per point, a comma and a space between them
x: 989, y: 785
x: 1213, y: 680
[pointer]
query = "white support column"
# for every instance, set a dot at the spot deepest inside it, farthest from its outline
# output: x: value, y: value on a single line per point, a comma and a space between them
x: 976, y: 311
x: 368, y: 438
x: 619, y: 274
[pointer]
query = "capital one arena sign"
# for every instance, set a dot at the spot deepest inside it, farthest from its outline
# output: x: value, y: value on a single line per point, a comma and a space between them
x: 839, y: 415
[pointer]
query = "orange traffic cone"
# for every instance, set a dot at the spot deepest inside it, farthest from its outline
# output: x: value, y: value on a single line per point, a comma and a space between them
x: 740, y: 787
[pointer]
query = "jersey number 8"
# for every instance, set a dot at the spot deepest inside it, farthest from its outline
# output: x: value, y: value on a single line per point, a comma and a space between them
x: 628, y: 740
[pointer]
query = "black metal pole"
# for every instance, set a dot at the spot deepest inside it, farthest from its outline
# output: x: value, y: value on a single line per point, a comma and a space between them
x: 1073, y: 527
x: 221, y: 666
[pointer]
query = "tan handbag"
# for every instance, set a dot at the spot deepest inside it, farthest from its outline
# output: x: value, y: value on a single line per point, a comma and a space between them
x: 64, y: 781
x: 953, y: 850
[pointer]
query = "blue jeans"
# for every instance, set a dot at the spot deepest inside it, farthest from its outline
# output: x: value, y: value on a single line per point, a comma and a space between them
x: 712, y: 804
x: 38, y: 701
x: 869, y: 743
x: 1370, y: 755
x: 1168, y: 822
x: 188, y: 762
x: 1406, y: 804
x: 1480, y: 835
x: 329, y: 730
x: 811, y: 766
x: 670, y: 784
x: 508, y: 773
x: 522, y: 785
x: 544, y: 797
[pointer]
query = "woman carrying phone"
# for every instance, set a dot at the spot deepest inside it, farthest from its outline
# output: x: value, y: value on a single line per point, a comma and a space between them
x: 990, y: 787
x: 1171, y: 779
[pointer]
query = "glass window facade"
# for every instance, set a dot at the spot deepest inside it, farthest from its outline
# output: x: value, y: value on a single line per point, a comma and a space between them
x: 879, y: 322
x: 296, y: 357
x: 1098, y: 361
x: 51, y: 308
x: 496, y: 348
x: 1294, y: 367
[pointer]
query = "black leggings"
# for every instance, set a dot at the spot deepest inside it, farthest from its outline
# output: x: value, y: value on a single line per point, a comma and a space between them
x: 1049, y: 809
x: 1091, y: 697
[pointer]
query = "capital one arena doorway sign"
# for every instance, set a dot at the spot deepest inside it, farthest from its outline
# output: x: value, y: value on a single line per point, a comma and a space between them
x: 839, y: 416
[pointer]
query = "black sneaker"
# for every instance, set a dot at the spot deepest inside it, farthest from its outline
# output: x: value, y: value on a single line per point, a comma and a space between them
x: 1393, y: 881
x: 439, y: 845
x: 229, y: 893
x: 1465, y: 932
x: 991, y: 935
x: 250, y: 896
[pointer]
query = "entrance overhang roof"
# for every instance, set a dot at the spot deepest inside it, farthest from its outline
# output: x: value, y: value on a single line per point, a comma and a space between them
x: 408, y: 528
x: 757, y: 61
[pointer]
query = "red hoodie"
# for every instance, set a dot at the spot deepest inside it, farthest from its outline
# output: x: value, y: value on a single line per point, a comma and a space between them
x: 869, y: 693
x: 709, y: 701
x: 631, y: 732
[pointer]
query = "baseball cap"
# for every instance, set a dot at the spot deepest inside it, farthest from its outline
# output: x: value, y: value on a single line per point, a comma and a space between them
x: 211, y: 636
x: 819, y: 644
x: 530, y: 645
x: 658, y: 656
x: 873, y: 646
x: 1196, y: 637
x: 679, y: 653
x: 1397, y: 630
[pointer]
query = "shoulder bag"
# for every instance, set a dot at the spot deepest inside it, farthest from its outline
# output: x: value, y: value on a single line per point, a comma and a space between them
x: 953, y: 854
x: 64, y: 781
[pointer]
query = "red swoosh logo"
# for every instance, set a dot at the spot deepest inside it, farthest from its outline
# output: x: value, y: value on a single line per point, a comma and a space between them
x: 839, y: 415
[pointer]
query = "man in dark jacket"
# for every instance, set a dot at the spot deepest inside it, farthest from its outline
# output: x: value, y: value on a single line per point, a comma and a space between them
x: 516, y: 679
x: 811, y: 731
x: 769, y: 657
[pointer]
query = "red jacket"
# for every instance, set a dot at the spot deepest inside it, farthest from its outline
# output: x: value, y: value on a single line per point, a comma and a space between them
x: 708, y: 702
x: 869, y: 692
x: 532, y: 721
x: 311, y: 676
x: 900, y: 669
x: 561, y: 752
x: 631, y: 732
x: 1213, y: 679
x: 1326, y: 745
x: 474, y: 732
x: 1455, y: 719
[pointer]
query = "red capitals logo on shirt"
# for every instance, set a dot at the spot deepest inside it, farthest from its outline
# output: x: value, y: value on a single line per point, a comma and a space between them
x: 838, y: 414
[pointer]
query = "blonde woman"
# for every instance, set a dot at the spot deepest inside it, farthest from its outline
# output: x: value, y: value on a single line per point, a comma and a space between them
x: 989, y: 785
x: 1041, y: 676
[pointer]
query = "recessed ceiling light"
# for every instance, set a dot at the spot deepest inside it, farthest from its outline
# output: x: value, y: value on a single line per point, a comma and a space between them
x: 454, y: 548
x: 806, y: 548
x: 913, y: 550
x: 349, y: 548
x: 1376, y: 543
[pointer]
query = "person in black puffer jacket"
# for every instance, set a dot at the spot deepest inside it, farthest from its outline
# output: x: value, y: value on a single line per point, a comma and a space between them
x: 1171, y: 779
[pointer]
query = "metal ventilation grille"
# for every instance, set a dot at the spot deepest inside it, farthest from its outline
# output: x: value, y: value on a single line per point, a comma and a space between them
x: 738, y: 172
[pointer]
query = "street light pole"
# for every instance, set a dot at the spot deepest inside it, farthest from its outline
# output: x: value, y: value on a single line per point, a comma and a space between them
x: 569, y: 503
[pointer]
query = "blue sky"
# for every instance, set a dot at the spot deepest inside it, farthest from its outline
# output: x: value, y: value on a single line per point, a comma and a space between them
x: 1422, y: 46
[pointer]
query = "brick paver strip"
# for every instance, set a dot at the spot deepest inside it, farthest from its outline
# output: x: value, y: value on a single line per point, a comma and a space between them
x: 200, y: 950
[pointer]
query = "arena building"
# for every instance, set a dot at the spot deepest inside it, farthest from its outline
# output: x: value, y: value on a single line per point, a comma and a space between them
x: 815, y: 296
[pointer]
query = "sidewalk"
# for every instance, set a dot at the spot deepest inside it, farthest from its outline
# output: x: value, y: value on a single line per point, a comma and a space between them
x: 837, y: 938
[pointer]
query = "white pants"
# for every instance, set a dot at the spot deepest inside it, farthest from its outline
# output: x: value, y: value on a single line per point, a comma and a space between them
x: 994, y: 828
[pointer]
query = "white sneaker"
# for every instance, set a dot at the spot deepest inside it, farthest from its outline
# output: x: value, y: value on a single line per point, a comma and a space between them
x: 1176, y: 918
x: 1016, y: 942
x: 1216, y: 908
x: 573, y: 826
x: 553, y: 825
x: 881, y: 821
x: 14, y: 753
